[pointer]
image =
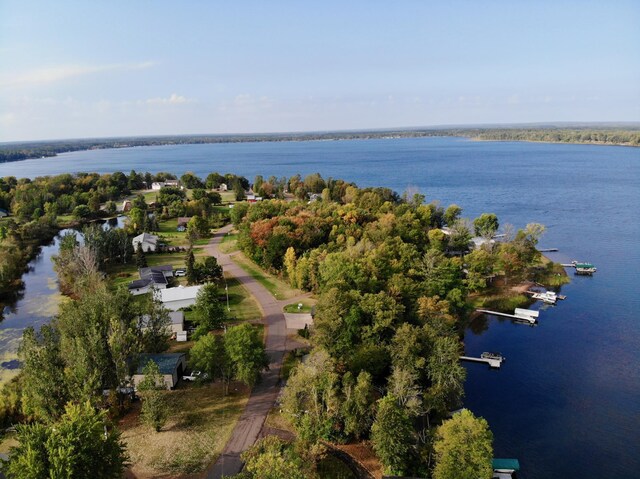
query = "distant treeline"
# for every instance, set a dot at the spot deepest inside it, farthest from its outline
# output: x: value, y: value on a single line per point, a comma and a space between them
x: 604, y: 136
x: 609, y: 135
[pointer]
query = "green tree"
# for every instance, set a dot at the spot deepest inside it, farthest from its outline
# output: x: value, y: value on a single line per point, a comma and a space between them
x: 246, y: 352
x: 79, y: 444
x: 357, y: 407
x: 486, y: 224
x: 81, y: 212
x: 141, y: 259
x: 272, y: 458
x: 452, y: 214
x: 155, y: 409
x: 210, y: 312
x: 392, y: 437
x: 157, y: 326
x: 209, y: 271
x: 190, y: 260
x: 44, y: 391
x: 209, y: 355
x: 463, y: 448
x: 446, y: 374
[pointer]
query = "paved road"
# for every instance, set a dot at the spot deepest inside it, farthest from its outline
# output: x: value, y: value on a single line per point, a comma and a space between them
x: 265, y: 393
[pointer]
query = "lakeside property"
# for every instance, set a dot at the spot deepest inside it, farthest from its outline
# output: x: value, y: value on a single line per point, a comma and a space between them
x: 571, y: 316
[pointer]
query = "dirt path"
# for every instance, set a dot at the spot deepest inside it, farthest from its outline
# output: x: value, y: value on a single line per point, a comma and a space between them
x: 265, y: 393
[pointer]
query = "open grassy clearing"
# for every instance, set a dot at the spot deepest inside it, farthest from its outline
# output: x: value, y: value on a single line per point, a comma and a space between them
x: 199, y: 426
x: 279, y: 289
x: 228, y: 196
x: 243, y: 306
x: 229, y: 243
x: 307, y: 305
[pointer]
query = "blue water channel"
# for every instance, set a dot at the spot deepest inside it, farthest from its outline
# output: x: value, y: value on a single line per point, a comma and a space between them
x: 566, y: 402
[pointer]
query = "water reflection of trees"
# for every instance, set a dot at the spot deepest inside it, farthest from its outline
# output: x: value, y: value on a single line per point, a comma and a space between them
x: 479, y: 324
x: 10, y: 300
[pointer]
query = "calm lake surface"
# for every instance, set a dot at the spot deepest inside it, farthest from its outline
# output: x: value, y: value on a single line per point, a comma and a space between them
x: 566, y: 402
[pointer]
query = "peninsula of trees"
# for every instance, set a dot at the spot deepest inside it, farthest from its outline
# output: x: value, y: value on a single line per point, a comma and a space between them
x: 395, y: 279
x: 627, y: 135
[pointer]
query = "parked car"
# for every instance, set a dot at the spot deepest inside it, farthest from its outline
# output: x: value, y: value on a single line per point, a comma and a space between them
x: 195, y: 375
x: 180, y: 272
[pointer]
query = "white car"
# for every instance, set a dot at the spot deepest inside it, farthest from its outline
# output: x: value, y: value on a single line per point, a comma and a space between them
x: 180, y: 272
x: 195, y: 375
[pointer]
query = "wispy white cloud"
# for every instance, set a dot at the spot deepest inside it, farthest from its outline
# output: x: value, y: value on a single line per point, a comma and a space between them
x: 174, y: 99
x: 44, y: 76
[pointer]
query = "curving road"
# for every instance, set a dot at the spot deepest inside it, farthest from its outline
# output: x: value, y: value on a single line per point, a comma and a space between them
x: 265, y: 393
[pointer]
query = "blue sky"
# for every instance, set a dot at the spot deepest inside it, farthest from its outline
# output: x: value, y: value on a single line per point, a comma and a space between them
x: 115, y: 68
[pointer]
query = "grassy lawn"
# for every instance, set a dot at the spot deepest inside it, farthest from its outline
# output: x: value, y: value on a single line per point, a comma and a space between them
x: 198, y: 428
x: 279, y: 289
x: 228, y: 196
x: 307, y: 304
x: 229, y: 243
x: 243, y: 306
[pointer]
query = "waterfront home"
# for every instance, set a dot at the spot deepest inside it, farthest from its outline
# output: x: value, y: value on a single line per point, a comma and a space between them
x: 147, y: 241
x: 478, y: 242
x: 171, y: 366
x: 222, y: 187
x: 125, y: 206
x: 157, y: 185
x: 156, y: 277
x: 179, y: 297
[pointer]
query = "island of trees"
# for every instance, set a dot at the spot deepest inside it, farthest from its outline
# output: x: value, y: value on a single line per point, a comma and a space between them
x: 395, y: 279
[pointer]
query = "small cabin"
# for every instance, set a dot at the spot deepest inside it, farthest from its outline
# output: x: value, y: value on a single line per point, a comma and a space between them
x: 171, y: 366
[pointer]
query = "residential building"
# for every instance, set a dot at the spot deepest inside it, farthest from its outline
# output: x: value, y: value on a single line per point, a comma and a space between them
x: 172, y: 366
x: 176, y: 319
x: 147, y: 241
x: 155, y: 277
x: 179, y: 297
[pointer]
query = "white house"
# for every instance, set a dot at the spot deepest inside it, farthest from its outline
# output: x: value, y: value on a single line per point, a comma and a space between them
x: 157, y: 185
x: 478, y: 242
x: 155, y: 277
x: 180, y: 297
x: 147, y: 241
x: 176, y: 319
x: 222, y: 187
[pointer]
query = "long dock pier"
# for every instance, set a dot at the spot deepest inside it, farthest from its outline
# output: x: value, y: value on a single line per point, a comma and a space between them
x: 530, y: 316
x: 494, y: 363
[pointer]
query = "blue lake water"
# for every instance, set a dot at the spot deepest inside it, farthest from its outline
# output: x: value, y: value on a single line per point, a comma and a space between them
x: 566, y: 402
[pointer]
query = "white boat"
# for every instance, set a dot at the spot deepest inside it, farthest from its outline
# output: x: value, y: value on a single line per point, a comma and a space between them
x: 548, y: 297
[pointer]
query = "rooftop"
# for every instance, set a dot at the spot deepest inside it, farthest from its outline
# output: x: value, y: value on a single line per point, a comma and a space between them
x: 146, y: 238
x: 179, y: 293
x: 167, y: 362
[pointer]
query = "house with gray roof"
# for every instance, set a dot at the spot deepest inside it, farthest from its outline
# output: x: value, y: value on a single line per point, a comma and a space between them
x: 156, y: 277
x: 147, y: 241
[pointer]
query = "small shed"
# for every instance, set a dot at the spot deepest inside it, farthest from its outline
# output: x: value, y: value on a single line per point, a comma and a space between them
x: 171, y: 365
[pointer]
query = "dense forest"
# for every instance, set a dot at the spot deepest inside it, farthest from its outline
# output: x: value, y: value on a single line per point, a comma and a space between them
x: 608, y: 135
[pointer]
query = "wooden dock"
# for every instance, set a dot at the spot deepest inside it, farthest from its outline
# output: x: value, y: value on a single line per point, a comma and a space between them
x: 548, y: 250
x: 530, y: 317
x: 494, y: 363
